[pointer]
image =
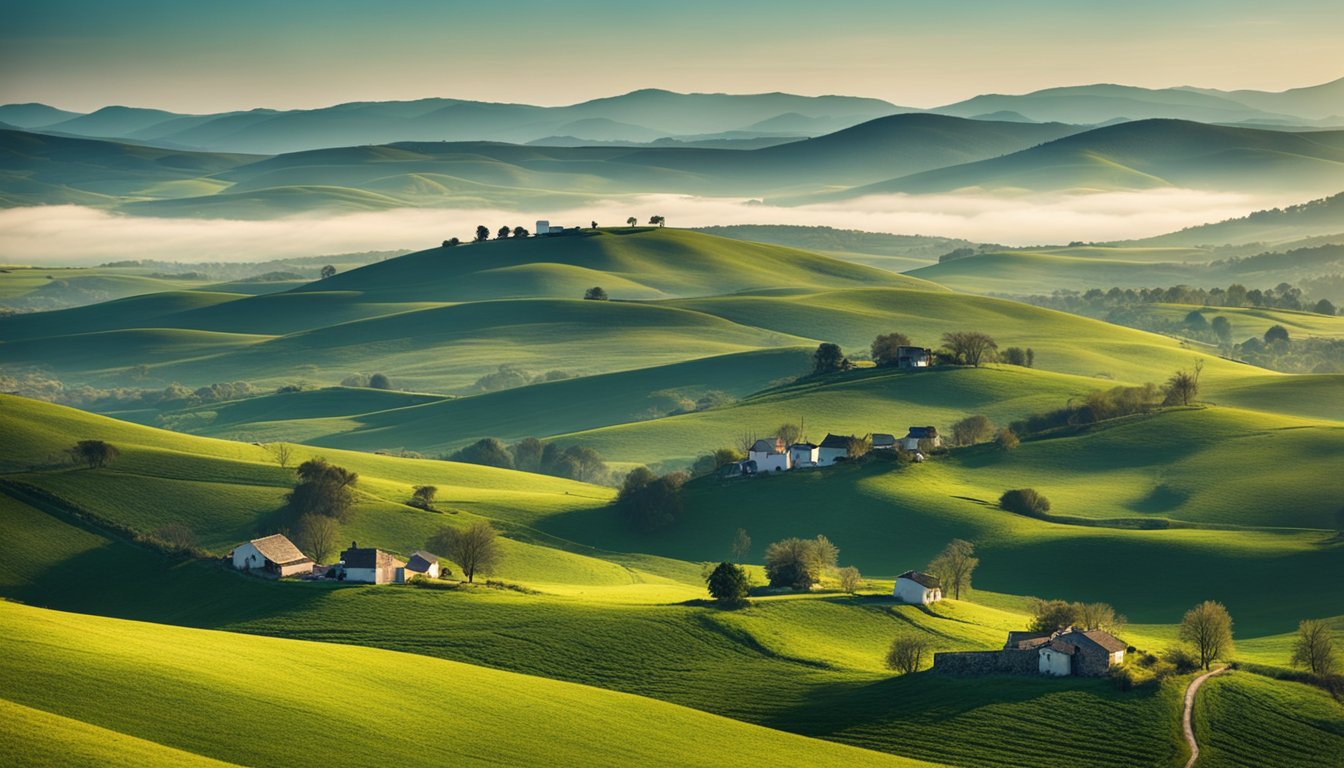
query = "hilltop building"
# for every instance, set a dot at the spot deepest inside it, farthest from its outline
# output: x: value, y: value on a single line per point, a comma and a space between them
x: 913, y: 357
x: 274, y: 555
x: 918, y: 588
x: 422, y: 564
x: 884, y: 442
x: 912, y: 438
x: 770, y: 455
x: 1067, y: 653
x: 803, y: 455
x: 371, y: 566
x: 834, y: 448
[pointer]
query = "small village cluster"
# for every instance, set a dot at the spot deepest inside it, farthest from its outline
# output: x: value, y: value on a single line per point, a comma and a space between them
x: 277, y: 556
x: 774, y: 455
x: 1064, y: 653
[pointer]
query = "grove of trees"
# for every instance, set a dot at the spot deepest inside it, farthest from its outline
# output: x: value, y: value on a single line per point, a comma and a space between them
x: 970, y: 347
x: 649, y: 502
x: 322, y: 489
x: 1055, y: 615
x: 799, y: 563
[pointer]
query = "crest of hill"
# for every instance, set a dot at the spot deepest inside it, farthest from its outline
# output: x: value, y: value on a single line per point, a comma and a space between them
x: 636, y: 263
x: 1317, y: 217
x: 1098, y: 103
x: 1146, y: 154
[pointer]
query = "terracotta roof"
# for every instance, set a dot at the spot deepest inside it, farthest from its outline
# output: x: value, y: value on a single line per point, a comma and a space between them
x: 922, y: 579
x: 278, y: 549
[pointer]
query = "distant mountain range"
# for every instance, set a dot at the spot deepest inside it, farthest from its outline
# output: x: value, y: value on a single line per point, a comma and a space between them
x: 650, y: 115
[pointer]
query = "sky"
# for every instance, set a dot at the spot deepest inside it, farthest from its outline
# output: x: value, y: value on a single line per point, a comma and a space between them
x: 207, y: 56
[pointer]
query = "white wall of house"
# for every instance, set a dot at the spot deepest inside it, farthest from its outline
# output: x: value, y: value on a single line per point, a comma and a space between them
x: 1117, y: 658
x: 1055, y: 663
x: 803, y: 457
x: 911, y: 591
x: 364, y: 575
x: 770, y: 462
x: 828, y: 456
x: 246, y: 557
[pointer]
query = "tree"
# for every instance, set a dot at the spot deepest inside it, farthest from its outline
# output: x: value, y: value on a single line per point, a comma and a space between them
x: 451, y: 242
x: 1054, y: 615
x: 650, y: 502
x: 282, y: 454
x: 527, y: 454
x: 592, y: 225
x: 475, y: 549
x: 379, y: 381
x: 488, y: 452
x: 741, y: 544
x: 1031, y: 357
x: 1007, y: 439
x: 96, y: 453
x: 520, y: 232
x: 482, y: 233
x: 1324, y: 307
x: 422, y: 496
x: 317, y: 535
x: 788, y: 432
x: 632, y: 221
x: 323, y: 489
x: 1208, y: 629
x: 799, y: 563
x: 327, y: 271
x: 1014, y: 356
x: 1024, y: 501
x: 596, y: 293
x: 177, y: 537
x: 954, y: 565
x: 1100, y: 616
x: 657, y: 220
x: 1222, y: 328
x: 827, y: 358
x: 1276, y: 333
x: 907, y: 652
x: 1183, y: 386
x: 884, y: 347
x: 504, y: 232
x: 1315, y: 647
x: 970, y: 347
x: 725, y: 456
x: 850, y: 579
x: 972, y: 430
x: 728, y: 584
x: 1194, y: 320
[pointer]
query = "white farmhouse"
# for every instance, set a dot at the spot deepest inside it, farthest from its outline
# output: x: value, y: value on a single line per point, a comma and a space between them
x: 912, y: 439
x: 769, y: 455
x: 422, y: 564
x: 271, y: 554
x: 834, y: 448
x: 913, y: 357
x: 803, y: 455
x: 917, y: 587
x: 371, y: 566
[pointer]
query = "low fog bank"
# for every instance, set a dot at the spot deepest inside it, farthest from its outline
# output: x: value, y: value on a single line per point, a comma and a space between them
x: 77, y: 235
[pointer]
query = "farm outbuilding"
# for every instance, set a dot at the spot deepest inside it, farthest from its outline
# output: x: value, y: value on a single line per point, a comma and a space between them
x: 834, y: 448
x: 371, y: 566
x: 274, y: 554
x: 918, y: 588
x: 422, y: 564
x: 769, y: 455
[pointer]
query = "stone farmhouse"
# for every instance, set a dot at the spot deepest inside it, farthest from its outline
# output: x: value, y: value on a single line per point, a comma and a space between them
x: 1068, y: 652
x: 274, y: 555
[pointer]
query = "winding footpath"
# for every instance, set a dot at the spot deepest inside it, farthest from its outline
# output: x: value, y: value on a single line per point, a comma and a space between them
x: 1189, y: 707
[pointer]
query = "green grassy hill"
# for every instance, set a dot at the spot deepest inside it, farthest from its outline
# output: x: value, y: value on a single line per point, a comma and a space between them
x: 1278, y: 723
x: 49, y: 288
x: 1318, y: 217
x: 76, y: 667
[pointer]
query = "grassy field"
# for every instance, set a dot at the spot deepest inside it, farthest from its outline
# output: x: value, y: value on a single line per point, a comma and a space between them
x: 1245, y: 720
x: 76, y: 667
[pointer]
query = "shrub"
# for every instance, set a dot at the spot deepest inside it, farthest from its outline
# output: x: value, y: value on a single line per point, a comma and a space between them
x: 850, y: 579
x: 972, y: 430
x: 649, y: 502
x: 1024, y: 501
x: 728, y: 584
x: 906, y: 653
x: 1007, y: 439
x: 95, y: 453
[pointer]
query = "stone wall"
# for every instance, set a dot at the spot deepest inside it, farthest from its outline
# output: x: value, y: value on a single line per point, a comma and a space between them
x: 1091, y: 662
x: 1004, y: 662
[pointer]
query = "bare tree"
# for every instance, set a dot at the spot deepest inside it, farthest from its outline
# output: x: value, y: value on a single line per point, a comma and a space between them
x: 850, y: 579
x: 906, y: 654
x: 476, y: 549
x: 745, y: 440
x: 971, y: 347
x: 789, y: 433
x: 1315, y: 647
x: 282, y: 454
x: 954, y: 566
x: 741, y: 545
x: 317, y: 535
x: 1208, y: 629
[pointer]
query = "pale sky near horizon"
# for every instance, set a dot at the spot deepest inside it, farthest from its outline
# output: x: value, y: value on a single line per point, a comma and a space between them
x: 212, y: 56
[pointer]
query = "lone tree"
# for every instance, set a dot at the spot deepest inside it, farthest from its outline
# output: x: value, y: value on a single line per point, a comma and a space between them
x: 475, y: 549
x: 827, y: 358
x: 596, y: 293
x: 970, y: 347
x: 906, y: 654
x: 317, y: 535
x: 282, y: 454
x: 954, y: 565
x: 482, y: 233
x: 657, y: 220
x: 1007, y: 439
x: 422, y: 496
x: 799, y: 563
x: 1315, y: 647
x: 96, y: 453
x: 972, y: 430
x: 850, y: 579
x: 728, y: 584
x: 1024, y: 501
x: 379, y: 381
x: 741, y: 544
x: 323, y: 489
x: 884, y: 347
x: 632, y: 221
x: 1208, y: 629
x: 1324, y: 307
x: 1183, y: 386
x: 327, y: 271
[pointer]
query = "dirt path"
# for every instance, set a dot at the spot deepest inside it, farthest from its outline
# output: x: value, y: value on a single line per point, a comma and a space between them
x: 1189, y: 707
